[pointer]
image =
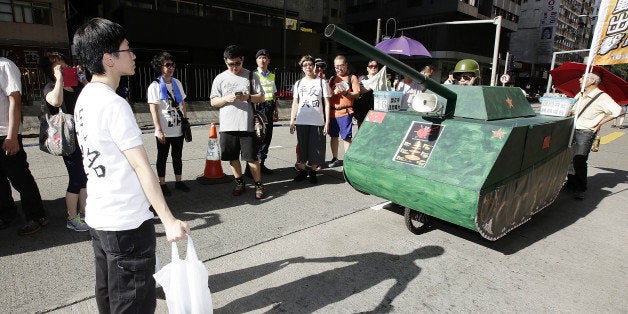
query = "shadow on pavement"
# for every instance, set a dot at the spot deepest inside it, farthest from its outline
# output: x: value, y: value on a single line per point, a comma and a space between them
x: 311, y: 293
x: 546, y: 222
x: 200, y: 202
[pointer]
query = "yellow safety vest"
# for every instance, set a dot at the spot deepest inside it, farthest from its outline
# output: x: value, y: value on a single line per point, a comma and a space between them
x: 267, y: 85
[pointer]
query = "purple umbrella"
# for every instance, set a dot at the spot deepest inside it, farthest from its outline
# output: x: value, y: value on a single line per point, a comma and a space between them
x: 403, y: 46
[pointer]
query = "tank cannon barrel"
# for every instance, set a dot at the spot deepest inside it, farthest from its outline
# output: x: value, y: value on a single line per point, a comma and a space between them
x: 340, y: 35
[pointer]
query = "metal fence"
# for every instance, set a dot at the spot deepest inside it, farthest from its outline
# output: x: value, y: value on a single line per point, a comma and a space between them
x: 196, y: 79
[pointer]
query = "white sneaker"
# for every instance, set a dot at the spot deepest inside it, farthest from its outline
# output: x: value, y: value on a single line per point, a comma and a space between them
x: 77, y: 224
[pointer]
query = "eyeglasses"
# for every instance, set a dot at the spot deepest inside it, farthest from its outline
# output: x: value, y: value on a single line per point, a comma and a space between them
x: 234, y: 64
x: 130, y: 50
x: 373, y: 66
x: 307, y: 64
x: 466, y: 77
x: 320, y: 66
x: 340, y: 66
x: 169, y: 65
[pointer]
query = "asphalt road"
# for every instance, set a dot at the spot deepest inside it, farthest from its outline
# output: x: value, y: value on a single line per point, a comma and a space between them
x: 330, y: 249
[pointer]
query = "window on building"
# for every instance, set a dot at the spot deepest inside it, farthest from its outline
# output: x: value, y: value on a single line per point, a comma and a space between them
x: 6, y: 14
x: 144, y: 4
x: 25, y: 12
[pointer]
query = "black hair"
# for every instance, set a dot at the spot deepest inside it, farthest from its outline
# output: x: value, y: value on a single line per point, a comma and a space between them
x: 159, y: 59
x: 233, y: 52
x: 95, y: 38
x: 45, y: 63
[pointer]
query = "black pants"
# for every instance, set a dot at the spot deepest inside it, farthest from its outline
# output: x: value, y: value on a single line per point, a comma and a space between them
x: 125, y: 264
x: 266, y: 108
x: 162, y: 155
x: 15, y: 169
x: 583, y: 140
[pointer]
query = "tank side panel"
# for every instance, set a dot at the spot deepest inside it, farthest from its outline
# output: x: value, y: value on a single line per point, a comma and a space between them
x: 513, y: 203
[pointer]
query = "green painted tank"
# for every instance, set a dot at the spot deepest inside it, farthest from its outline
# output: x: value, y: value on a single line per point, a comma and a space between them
x: 487, y: 163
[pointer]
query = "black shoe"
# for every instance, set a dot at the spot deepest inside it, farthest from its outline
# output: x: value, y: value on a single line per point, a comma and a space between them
x: 302, y: 175
x: 312, y: 175
x: 247, y: 172
x: 43, y: 221
x: 165, y: 190
x: 579, y: 195
x: 334, y: 163
x: 31, y: 227
x: 181, y: 186
x: 265, y: 170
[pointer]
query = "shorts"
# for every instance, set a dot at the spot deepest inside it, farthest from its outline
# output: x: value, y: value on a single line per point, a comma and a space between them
x: 234, y: 143
x: 341, y: 126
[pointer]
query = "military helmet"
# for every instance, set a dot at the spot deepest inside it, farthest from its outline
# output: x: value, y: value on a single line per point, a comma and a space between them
x: 467, y: 66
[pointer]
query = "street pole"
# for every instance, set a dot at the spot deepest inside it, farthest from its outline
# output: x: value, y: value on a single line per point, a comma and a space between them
x: 498, y: 29
x: 506, y: 65
x: 549, y: 80
x: 284, y: 40
x: 497, y: 21
x: 378, y: 33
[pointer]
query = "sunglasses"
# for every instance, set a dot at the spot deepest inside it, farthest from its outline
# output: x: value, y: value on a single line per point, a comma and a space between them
x: 169, y: 65
x: 234, y: 64
x: 466, y: 77
x: 373, y: 66
x: 320, y: 66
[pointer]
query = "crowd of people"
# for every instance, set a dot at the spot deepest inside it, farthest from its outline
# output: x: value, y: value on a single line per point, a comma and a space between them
x: 114, y: 193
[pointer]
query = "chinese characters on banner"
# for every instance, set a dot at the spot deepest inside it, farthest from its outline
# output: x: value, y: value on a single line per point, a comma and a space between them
x: 420, y: 141
x: 610, y: 40
x: 549, y: 19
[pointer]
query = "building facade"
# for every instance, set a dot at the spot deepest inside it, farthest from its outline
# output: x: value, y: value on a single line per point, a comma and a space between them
x: 29, y: 30
x: 548, y: 26
x: 447, y: 43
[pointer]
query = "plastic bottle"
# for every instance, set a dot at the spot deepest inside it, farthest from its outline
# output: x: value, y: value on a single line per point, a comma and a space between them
x: 596, y: 144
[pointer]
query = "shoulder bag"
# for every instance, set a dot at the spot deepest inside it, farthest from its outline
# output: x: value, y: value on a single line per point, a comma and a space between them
x: 57, y: 135
x: 186, y: 129
x: 259, y: 120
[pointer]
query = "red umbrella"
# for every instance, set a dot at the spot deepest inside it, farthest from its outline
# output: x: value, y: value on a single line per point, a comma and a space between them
x: 566, y: 80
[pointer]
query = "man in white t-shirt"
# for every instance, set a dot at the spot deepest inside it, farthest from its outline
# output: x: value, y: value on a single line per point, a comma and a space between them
x: 121, y: 184
x: 592, y: 111
x: 13, y: 164
x: 233, y: 91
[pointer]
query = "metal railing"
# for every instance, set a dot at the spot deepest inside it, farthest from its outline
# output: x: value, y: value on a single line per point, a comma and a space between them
x: 196, y: 79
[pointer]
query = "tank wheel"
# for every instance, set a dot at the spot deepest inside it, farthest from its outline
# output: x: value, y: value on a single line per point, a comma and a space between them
x: 416, y: 221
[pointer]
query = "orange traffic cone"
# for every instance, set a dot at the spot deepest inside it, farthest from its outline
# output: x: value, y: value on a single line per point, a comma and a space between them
x: 213, y: 168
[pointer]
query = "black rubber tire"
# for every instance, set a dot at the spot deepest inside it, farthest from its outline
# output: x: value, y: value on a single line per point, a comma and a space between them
x: 417, y: 222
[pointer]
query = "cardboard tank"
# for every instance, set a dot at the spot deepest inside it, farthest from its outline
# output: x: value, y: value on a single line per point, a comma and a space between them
x: 487, y: 162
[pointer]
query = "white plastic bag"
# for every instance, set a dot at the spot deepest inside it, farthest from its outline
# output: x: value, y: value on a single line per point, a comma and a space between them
x: 185, y: 283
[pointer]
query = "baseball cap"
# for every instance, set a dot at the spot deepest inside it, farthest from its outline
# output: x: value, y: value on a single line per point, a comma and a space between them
x: 319, y: 63
x: 262, y: 52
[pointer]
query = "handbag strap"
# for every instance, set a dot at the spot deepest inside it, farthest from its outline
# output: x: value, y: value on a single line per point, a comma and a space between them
x: 587, y: 105
x: 177, y: 104
x: 251, y: 92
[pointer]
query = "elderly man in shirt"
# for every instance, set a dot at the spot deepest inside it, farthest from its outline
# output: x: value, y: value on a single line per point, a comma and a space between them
x: 592, y: 110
